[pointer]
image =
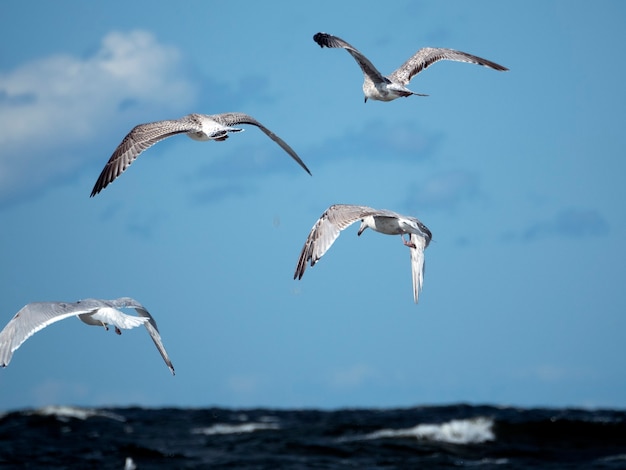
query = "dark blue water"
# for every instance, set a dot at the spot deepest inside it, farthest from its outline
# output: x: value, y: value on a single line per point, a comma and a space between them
x: 455, y: 436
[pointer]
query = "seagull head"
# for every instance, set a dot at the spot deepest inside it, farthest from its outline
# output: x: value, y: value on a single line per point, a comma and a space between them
x: 363, y: 226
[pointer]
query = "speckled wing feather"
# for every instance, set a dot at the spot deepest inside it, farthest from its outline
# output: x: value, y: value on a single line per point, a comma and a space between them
x: 151, y: 326
x: 32, y: 318
x: 231, y: 119
x: 326, y: 230
x: 429, y: 55
x: 139, y: 139
x: 328, y: 40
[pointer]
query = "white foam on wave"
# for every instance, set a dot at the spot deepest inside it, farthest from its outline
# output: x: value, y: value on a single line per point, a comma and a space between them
x: 64, y: 413
x: 129, y: 464
x: 613, y: 458
x: 262, y: 419
x: 222, y: 428
x: 482, y: 462
x: 457, y: 431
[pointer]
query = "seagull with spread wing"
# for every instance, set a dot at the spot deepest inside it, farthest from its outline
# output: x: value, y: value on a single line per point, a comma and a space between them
x: 199, y: 127
x: 37, y: 315
x: 340, y: 216
x: 376, y: 86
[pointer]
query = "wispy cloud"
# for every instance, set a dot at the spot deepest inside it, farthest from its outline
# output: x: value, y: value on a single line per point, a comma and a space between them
x: 443, y: 191
x: 242, y: 386
x: 145, y: 224
x: 378, y: 140
x: 53, y: 106
x: 220, y: 192
x: 382, y: 140
x: 353, y: 376
x: 552, y: 373
x: 571, y: 222
x: 248, y: 160
x: 53, y: 391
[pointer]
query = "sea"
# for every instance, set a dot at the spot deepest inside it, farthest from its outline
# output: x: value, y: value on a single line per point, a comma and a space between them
x: 432, y: 437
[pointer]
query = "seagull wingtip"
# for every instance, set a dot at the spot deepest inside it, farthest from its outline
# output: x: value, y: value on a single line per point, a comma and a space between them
x: 318, y: 38
x: 96, y: 190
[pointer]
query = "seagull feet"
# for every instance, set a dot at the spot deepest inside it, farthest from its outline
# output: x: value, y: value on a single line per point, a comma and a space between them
x: 118, y: 331
x: 408, y: 242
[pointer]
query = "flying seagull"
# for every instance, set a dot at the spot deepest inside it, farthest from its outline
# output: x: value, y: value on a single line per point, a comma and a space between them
x: 387, y: 88
x: 37, y: 315
x: 197, y: 126
x: 340, y: 216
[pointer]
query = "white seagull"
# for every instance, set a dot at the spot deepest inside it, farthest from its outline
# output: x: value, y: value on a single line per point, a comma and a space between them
x: 387, y: 88
x: 340, y: 216
x: 200, y: 127
x: 37, y: 315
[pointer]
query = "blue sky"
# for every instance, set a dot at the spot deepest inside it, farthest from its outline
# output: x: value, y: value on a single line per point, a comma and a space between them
x: 518, y: 175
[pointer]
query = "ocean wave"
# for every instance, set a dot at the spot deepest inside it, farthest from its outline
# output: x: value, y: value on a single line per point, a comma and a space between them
x: 223, y: 428
x: 244, y: 417
x: 482, y: 462
x: 64, y: 413
x: 447, y: 436
x: 618, y: 458
x: 456, y: 431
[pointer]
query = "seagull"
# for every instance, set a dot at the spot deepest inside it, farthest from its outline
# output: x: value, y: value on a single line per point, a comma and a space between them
x: 340, y: 216
x: 200, y: 127
x: 387, y: 88
x: 37, y: 315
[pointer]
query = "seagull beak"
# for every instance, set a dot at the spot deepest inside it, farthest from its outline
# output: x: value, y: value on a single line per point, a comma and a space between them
x: 361, y: 228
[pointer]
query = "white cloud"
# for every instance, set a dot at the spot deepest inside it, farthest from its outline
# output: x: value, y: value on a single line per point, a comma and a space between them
x: 51, y: 106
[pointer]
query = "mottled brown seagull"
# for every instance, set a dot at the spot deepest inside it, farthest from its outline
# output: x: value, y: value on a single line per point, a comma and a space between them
x: 340, y: 216
x: 200, y: 127
x: 376, y: 86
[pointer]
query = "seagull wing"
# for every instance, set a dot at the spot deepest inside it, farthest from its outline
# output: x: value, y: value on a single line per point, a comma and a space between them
x: 328, y: 40
x: 231, y: 119
x: 150, y: 324
x: 32, y: 318
x: 326, y: 230
x: 417, y: 263
x: 415, y: 226
x: 140, y: 138
x: 429, y: 55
